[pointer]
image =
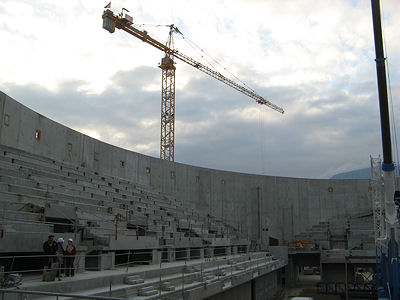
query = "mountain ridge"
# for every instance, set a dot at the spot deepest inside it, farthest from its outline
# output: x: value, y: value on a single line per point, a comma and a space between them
x: 364, y: 173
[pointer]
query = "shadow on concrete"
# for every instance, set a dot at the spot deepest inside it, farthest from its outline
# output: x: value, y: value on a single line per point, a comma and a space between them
x: 305, y: 287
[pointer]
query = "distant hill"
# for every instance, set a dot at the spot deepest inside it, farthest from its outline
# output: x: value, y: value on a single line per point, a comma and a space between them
x: 357, y: 174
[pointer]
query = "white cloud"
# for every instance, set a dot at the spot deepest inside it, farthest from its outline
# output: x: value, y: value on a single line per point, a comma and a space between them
x: 313, y: 58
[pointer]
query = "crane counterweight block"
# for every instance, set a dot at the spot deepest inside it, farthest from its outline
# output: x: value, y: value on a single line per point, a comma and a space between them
x: 108, y: 23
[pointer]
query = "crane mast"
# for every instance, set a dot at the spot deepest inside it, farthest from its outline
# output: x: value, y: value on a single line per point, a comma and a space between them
x: 167, y: 146
x: 125, y: 22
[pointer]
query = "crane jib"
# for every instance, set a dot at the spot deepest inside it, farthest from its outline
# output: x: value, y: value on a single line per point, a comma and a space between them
x: 110, y: 21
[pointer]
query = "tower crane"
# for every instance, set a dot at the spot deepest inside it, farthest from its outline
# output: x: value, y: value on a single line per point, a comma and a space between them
x: 125, y: 22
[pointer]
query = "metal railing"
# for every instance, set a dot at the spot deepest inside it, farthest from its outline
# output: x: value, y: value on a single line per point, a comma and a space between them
x: 189, y: 277
x: 90, y: 262
x: 56, y: 295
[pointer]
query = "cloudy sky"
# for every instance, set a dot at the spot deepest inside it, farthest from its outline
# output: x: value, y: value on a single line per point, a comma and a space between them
x: 313, y: 58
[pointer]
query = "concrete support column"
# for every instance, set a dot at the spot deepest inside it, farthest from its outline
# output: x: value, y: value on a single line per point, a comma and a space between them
x: 201, y: 253
x: 107, y: 261
x: 234, y: 249
x: 228, y: 251
x: 209, y: 252
x: 187, y: 253
x: 79, y: 262
x: 156, y: 256
x: 292, y: 272
x: 171, y: 254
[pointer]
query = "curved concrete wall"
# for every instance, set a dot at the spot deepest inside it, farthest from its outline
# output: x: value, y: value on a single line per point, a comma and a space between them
x: 263, y: 206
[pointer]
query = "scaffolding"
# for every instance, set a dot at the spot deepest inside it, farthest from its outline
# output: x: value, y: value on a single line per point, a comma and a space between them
x: 378, y: 204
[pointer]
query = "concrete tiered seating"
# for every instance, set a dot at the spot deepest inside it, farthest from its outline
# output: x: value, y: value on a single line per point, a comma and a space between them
x: 351, y: 233
x: 41, y: 196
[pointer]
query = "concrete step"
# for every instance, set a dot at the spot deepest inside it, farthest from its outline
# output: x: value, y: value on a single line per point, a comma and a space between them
x: 21, y: 216
x: 70, y: 169
x: 134, y: 279
x: 167, y: 286
x: 147, y: 291
x: 59, y: 193
x: 27, y: 227
x: 17, y: 180
x: 26, y: 171
x: 209, y: 276
x: 189, y: 279
x: 31, y: 158
x: 29, y: 178
x: 239, y: 267
x: 189, y: 270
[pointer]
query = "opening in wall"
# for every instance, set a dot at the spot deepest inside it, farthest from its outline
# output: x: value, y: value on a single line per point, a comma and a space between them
x: 6, y: 120
x: 37, y: 134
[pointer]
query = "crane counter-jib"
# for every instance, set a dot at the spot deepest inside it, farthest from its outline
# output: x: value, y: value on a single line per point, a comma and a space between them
x: 111, y: 21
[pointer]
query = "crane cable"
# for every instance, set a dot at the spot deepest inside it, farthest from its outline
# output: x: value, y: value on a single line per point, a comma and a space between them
x: 393, y: 119
x: 393, y: 126
x: 154, y: 35
x: 151, y: 25
x: 197, y: 48
x: 262, y: 143
x: 261, y: 120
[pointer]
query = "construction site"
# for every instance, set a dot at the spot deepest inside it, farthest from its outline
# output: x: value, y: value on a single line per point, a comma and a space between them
x: 152, y: 228
x: 202, y: 232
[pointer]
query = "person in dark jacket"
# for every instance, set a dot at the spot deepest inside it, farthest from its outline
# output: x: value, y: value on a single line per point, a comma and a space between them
x: 50, y: 249
x: 70, y: 252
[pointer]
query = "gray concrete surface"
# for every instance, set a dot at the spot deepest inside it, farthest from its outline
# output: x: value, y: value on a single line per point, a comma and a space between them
x: 56, y: 180
x: 229, y: 196
x: 196, y: 279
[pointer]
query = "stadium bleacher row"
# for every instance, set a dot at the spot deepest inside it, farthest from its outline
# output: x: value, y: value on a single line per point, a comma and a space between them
x: 351, y: 234
x: 103, y: 214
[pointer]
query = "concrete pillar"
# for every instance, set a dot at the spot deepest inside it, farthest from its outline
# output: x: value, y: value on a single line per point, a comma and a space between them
x: 171, y: 254
x: 292, y: 272
x: 187, y: 253
x: 107, y: 261
x: 209, y: 252
x: 234, y: 249
x: 201, y: 253
x: 228, y: 251
x: 80, y: 262
x: 156, y: 256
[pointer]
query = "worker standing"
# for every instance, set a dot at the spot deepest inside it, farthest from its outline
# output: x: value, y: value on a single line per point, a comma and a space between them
x: 60, y: 257
x: 70, y: 252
